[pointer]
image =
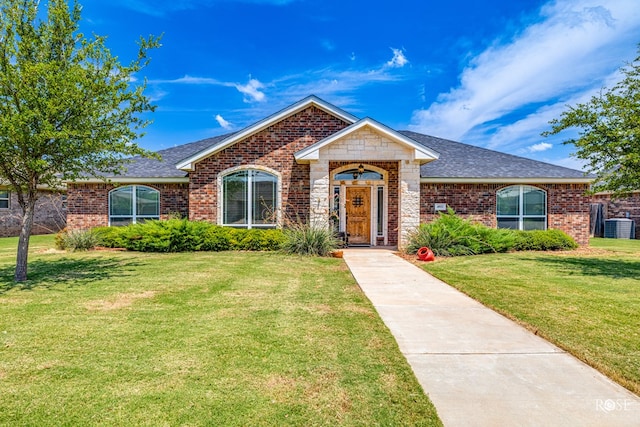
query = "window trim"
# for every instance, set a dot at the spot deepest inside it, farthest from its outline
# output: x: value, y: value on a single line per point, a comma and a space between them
x: 521, y: 216
x: 8, y: 198
x: 134, y: 194
x: 249, y: 168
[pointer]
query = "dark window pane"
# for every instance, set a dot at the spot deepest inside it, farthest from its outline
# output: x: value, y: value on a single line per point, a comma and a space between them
x: 121, y: 201
x: 506, y: 222
x: 264, y: 187
x: 509, y: 201
x: 380, y: 211
x: 235, y: 198
x: 534, y: 224
x: 147, y: 201
x: 121, y: 221
x: 4, y: 199
x: 534, y: 201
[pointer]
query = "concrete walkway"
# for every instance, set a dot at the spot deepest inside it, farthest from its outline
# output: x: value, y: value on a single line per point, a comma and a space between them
x: 478, y: 367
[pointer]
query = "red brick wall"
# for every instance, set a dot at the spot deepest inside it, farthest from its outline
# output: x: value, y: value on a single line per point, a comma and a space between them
x: 88, y: 204
x: 567, y: 205
x: 392, y: 188
x: 274, y: 148
x: 627, y: 207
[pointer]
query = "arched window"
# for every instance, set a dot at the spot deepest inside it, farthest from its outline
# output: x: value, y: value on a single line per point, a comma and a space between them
x: 249, y: 199
x: 359, y: 173
x: 133, y: 204
x: 522, y: 207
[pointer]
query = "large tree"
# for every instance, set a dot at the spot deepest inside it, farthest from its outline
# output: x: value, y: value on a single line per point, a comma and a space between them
x: 609, y: 133
x: 67, y: 106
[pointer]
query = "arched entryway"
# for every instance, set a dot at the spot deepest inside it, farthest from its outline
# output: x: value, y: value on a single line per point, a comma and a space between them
x: 359, y: 206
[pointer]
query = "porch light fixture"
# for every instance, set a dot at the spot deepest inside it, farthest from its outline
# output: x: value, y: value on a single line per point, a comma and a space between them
x: 358, y: 174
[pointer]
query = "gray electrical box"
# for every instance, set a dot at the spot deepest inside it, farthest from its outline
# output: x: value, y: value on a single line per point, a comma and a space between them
x: 619, y: 228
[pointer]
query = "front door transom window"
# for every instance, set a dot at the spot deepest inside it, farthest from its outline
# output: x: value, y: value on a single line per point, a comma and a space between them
x: 358, y: 173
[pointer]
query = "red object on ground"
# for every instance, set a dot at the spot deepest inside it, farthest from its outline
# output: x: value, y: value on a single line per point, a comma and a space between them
x: 426, y: 254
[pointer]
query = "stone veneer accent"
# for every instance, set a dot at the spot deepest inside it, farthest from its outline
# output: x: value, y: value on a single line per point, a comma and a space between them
x: 88, y: 204
x: 49, y: 215
x: 274, y: 148
x: 368, y: 147
x: 625, y: 207
x: 567, y: 204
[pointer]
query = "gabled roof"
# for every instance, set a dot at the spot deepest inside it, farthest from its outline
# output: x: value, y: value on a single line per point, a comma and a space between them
x: 187, y: 163
x: 140, y: 169
x: 460, y: 162
x: 421, y: 152
x: 448, y: 161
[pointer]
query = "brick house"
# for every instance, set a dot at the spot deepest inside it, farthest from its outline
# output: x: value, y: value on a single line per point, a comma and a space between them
x: 315, y: 162
x: 49, y: 215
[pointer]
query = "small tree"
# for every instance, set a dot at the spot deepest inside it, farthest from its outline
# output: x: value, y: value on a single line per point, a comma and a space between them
x: 67, y: 106
x: 609, y: 139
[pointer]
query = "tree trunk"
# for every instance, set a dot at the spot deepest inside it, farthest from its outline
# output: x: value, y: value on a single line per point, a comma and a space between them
x: 23, y: 240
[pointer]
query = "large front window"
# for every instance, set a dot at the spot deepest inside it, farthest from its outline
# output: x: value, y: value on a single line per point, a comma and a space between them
x: 522, y: 207
x: 250, y: 199
x: 133, y: 204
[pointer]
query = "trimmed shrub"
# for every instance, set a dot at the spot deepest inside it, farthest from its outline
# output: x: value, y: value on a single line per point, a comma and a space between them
x: 450, y: 235
x: 76, y: 240
x: 110, y: 237
x: 217, y: 239
x: 544, y: 240
x: 305, y: 239
x: 181, y: 235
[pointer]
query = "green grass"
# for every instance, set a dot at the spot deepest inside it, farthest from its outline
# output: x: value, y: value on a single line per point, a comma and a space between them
x: 586, y: 302
x: 229, y: 338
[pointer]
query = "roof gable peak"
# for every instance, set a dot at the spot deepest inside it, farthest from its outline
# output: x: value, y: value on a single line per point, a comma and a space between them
x: 312, y: 100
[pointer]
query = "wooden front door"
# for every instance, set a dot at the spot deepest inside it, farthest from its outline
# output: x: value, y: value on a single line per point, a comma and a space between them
x: 358, y: 211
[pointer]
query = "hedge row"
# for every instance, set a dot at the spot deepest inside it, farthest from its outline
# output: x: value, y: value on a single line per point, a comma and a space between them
x: 181, y: 235
x: 450, y: 235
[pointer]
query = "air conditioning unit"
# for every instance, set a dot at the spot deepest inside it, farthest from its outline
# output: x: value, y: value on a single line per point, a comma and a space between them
x: 619, y: 228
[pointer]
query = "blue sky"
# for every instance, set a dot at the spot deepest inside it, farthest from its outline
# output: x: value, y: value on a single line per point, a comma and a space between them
x: 490, y: 73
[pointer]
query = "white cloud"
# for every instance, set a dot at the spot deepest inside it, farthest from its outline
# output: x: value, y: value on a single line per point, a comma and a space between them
x: 566, y: 54
x: 190, y: 80
x: 251, y: 90
x: 398, y: 60
x: 569, y: 162
x: 223, y: 123
x: 542, y: 146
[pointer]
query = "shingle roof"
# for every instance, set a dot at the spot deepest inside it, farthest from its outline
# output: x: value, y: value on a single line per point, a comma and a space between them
x: 458, y: 160
x: 142, y: 167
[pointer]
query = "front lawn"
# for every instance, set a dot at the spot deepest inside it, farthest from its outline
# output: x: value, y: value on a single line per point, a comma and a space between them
x: 229, y: 338
x: 586, y: 302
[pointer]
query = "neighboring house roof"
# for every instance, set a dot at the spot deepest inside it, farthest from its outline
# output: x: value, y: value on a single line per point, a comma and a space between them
x: 463, y: 162
x: 420, y: 151
x: 188, y: 162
